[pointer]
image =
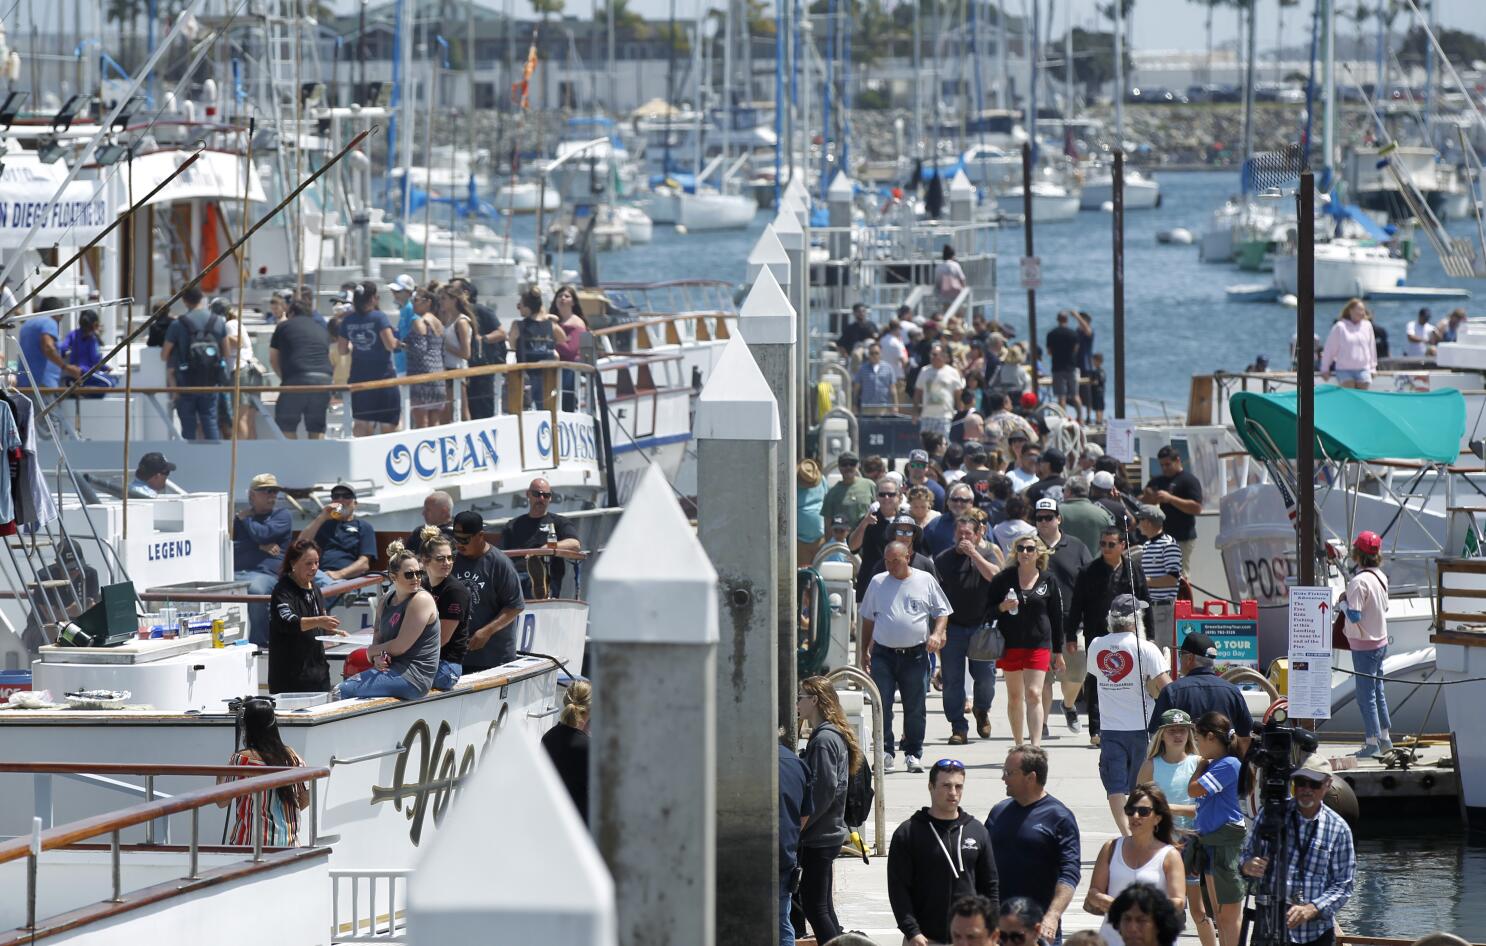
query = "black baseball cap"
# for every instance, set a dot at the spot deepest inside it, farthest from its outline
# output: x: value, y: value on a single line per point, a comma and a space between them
x: 839, y: 522
x: 342, y: 491
x: 847, y: 458
x: 1198, y: 644
x: 153, y: 464
x: 469, y: 523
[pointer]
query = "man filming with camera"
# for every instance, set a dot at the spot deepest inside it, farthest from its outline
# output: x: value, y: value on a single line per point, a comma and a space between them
x: 1321, y: 860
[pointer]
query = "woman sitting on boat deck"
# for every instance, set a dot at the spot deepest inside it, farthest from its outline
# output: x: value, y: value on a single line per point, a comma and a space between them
x: 404, y: 653
x: 262, y: 746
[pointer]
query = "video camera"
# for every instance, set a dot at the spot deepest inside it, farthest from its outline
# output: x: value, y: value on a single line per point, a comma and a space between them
x: 1277, y: 750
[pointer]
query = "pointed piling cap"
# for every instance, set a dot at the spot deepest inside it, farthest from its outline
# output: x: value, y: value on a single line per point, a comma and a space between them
x: 960, y: 186
x: 768, y: 251
x: 653, y: 584
x: 842, y: 188
x: 788, y: 229
x: 766, y: 317
x: 798, y: 189
x: 736, y: 403
x: 564, y: 896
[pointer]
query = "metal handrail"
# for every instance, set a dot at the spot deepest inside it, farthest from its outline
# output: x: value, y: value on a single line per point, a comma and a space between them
x: 398, y: 749
x: 879, y: 802
x: 831, y: 548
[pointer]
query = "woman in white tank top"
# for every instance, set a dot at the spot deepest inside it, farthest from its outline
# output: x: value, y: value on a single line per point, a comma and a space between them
x: 1146, y: 856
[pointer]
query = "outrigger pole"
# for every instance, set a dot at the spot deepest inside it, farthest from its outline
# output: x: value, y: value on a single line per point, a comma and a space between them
x: 164, y: 307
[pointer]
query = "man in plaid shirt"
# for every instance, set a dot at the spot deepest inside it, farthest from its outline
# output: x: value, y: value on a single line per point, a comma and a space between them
x: 1323, y: 862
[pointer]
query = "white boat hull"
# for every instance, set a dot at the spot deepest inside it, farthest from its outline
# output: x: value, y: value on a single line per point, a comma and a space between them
x: 1216, y: 246
x: 716, y: 211
x: 1141, y: 193
x: 662, y: 206
x: 1344, y: 271
x: 522, y: 198
x: 1050, y: 203
x: 637, y: 224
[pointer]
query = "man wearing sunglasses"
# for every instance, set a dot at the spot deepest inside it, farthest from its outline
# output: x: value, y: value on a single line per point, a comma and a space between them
x: 874, y: 531
x: 965, y: 574
x: 1322, y: 859
x: 347, y: 544
x: 1102, y: 580
x: 534, y: 530
x: 852, y: 495
x: 495, y: 594
x: 938, y: 856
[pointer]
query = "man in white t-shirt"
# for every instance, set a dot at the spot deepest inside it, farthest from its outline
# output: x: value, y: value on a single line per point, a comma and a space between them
x: 1130, y: 673
x: 905, y: 617
x: 936, y: 391
x: 1420, y: 333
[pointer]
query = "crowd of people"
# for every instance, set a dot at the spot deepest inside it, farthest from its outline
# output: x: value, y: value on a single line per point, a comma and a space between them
x: 425, y: 330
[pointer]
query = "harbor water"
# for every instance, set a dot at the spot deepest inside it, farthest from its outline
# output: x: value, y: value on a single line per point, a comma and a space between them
x: 1179, y: 321
x: 1418, y: 875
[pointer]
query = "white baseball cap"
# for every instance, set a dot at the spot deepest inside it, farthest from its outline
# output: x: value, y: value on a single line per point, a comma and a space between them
x: 403, y: 283
x: 1102, y: 480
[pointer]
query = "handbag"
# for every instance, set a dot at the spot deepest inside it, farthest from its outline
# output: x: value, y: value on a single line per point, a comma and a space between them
x: 1339, y: 639
x: 987, y: 643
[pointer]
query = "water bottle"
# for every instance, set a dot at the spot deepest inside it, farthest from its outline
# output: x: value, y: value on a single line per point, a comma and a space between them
x: 1015, y: 601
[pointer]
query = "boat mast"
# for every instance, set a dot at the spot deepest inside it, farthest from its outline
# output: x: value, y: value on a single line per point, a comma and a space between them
x: 1119, y: 70
x: 1248, y: 88
x: 1328, y: 82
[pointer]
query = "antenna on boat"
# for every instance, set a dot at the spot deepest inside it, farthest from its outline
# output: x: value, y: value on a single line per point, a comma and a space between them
x: 164, y: 307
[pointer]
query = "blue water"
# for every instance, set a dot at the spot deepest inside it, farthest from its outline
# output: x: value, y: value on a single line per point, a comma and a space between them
x: 1178, y: 318
x: 1417, y: 876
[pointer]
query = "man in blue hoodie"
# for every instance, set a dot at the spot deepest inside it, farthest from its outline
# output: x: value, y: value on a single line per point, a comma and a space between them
x: 794, y: 806
x: 938, y: 856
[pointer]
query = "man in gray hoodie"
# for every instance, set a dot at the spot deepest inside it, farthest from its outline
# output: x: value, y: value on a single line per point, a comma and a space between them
x: 938, y: 856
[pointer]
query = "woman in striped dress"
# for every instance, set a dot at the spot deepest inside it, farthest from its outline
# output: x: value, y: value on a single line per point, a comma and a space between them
x: 262, y: 746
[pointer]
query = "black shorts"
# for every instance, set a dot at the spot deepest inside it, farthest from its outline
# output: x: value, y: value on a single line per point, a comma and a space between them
x: 294, y: 406
x: 379, y: 406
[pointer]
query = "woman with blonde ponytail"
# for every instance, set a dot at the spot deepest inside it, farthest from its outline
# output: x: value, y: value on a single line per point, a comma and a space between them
x: 567, y: 743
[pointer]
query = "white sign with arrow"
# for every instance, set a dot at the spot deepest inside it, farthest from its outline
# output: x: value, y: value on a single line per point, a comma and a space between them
x: 1310, y: 653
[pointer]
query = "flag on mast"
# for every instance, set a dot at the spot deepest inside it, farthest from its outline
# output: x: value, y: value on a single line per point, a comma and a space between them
x: 520, y: 91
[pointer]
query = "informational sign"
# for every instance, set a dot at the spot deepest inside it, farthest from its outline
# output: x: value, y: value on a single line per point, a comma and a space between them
x: 1119, y: 440
x: 1310, y: 653
x: 1234, y: 631
x: 1031, y: 272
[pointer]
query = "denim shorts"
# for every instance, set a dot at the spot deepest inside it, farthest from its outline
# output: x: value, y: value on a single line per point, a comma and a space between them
x: 1360, y: 375
x: 1121, y: 754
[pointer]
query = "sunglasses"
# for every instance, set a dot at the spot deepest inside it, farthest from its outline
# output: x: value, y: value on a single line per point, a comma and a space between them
x: 954, y: 764
x: 538, y: 494
x: 1027, y: 549
x: 1142, y: 811
x: 1010, y: 937
x: 1046, y: 518
x: 959, y: 499
x: 1109, y: 545
x: 463, y: 539
x: 886, y: 495
x: 412, y: 573
x: 1312, y: 784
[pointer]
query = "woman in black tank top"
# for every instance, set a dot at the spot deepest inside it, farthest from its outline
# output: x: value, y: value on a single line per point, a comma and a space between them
x: 536, y: 338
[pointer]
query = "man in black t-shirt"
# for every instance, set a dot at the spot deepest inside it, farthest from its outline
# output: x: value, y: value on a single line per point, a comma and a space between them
x: 192, y: 352
x: 541, y: 576
x: 858, y: 330
x: 299, y: 353
x: 1179, y: 495
x: 1062, y: 349
x: 495, y: 594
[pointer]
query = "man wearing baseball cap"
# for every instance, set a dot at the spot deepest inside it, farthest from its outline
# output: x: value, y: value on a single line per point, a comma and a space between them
x: 851, y: 496
x: 347, y: 545
x: 150, y: 476
x: 1200, y: 690
x: 1365, y: 606
x: 402, y: 289
x: 1320, y: 858
x: 260, y: 534
x: 918, y: 475
x: 1130, y: 673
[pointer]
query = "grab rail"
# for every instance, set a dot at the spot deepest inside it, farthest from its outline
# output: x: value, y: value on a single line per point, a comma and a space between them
x: 879, y: 801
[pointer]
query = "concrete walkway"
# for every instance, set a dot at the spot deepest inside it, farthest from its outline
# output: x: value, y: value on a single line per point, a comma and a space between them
x: 1073, y: 778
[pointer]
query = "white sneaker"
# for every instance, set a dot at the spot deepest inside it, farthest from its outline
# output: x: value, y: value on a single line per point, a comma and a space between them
x: 913, y: 764
x: 887, y: 763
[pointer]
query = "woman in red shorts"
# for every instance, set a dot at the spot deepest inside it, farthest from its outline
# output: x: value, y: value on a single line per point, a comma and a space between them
x: 1029, y: 611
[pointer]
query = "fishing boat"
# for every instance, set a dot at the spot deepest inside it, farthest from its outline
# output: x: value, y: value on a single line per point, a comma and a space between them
x: 1141, y: 192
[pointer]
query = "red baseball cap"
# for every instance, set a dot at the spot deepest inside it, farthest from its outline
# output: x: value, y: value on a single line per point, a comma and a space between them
x: 1029, y: 399
x: 356, y: 661
x: 1368, y: 543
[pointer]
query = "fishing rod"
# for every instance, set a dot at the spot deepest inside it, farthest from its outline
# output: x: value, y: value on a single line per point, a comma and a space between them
x: 7, y: 318
x: 164, y: 307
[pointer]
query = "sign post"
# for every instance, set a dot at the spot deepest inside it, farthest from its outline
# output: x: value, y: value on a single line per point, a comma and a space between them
x: 1031, y: 272
x: 1308, y: 685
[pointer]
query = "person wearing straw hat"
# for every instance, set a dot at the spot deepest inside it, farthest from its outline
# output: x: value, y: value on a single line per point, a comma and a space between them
x: 1170, y: 763
x: 1321, y: 858
x: 810, y: 493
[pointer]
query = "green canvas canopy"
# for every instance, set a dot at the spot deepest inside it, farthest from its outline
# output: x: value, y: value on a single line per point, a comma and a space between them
x: 1358, y: 425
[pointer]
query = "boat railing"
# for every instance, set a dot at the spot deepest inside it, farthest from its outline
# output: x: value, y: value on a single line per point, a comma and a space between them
x: 46, y: 836
x: 545, y: 386
x: 363, y: 924
x: 1460, y: 598
x: 648, y: 330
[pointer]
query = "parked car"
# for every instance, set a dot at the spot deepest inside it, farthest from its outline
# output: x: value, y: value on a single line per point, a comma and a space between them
x: 1213, y: 92
x: 1155, y: 95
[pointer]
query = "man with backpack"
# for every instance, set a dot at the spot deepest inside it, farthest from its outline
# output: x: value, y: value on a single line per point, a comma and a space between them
x: 192, y: 353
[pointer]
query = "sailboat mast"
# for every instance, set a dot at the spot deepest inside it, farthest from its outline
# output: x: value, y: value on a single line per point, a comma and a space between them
x: 1119, y: 69
x: 1328, y: 81
x: 1248, y: 88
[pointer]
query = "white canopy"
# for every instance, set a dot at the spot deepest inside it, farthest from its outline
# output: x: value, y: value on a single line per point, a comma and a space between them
x: 217, y: 174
